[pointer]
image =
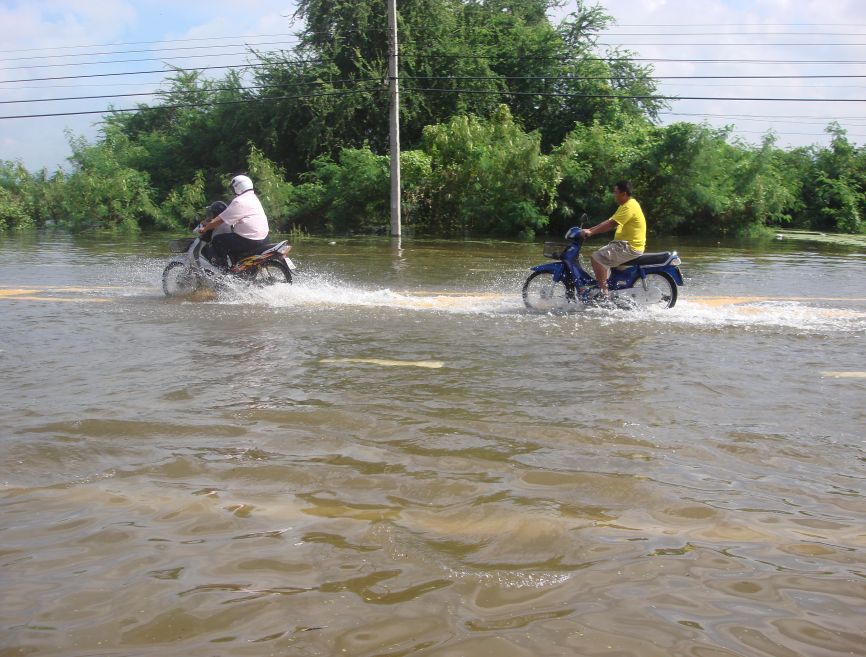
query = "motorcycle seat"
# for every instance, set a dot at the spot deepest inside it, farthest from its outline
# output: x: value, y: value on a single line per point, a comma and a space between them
x: 261, y: 249
x: 647, y: 259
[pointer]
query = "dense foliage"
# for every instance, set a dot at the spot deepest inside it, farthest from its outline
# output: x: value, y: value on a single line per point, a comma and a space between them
x: 510, y: 126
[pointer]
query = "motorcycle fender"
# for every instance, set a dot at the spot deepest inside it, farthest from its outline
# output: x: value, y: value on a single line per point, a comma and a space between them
x: 556, y: 268
x: 673, y: 272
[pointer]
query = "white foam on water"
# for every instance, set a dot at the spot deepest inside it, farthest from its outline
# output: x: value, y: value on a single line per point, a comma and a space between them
x: 317, y: 290
x: 426, y: 364
x: 324, y: 293
x: 757, y: 313
x: 845, y: 375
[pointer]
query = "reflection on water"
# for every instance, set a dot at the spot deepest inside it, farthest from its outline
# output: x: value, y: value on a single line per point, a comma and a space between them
x: 393, y: 457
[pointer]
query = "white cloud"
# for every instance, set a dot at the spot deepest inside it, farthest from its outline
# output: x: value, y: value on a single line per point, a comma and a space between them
x: 42, y: 28
x: 55, y: 26
x: 760, y: 28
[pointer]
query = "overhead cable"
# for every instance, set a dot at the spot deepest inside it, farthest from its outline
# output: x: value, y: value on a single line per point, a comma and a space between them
x: 173, y: 69
x: 192, y: 91
x: 148, y: 50
x: 637, y: 97
x: 141, y: 43
x: 123, y: 61
x: 190, y: 105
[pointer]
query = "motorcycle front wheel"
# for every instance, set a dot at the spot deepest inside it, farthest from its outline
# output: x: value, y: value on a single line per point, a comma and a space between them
x: 542, y: 294
x: 273, y: 272
x: 178, y: 280
x: 660, y: 291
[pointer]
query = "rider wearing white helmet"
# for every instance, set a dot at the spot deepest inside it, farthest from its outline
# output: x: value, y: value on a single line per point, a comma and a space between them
x: 245, y: 217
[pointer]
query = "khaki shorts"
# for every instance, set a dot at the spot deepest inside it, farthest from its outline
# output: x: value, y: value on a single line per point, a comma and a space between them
x: 615, y: 253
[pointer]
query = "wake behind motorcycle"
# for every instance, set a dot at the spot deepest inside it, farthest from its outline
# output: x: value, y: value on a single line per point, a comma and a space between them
x: 648, y: 281
x: 191, y: 270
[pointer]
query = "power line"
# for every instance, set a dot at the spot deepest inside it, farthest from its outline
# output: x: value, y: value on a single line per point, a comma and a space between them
x: 151, y: 50
x: 123, y: 61
x: 737, y: 33
x: 750, y: 61
x: 639, y: 97
x: 573, y: 58
x: 620, y: 25
x: 172, y: 69
x: 765, y: 117
x: 357, y: 80
x: 215, y: 90
x: 498, y: 77
x: 766, y: 85
x: 791, y: 134
x: 190, y: 105
x: 624, y: 77
x: 645, y: 25
x: 141, y: 43
x: 669, y: 44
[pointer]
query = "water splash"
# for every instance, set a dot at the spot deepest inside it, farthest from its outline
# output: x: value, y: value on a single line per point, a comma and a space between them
x: 757, y: 312
x: 706, y: 312
x: 322, y: 292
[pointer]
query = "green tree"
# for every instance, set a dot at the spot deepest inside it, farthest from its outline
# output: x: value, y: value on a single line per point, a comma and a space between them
x: 15, y: 210
x: 184, y: 205
x: 200, y: 124
x: 102, y: 191
x: 592, y: 158
x: 277, y: 195
x: 13, y: 213
x: 835, y: 191
x: 684, y: 178
x: 489, y: 177
x: 765, y: 192
x: 457, y: 57
x: 353, y: 190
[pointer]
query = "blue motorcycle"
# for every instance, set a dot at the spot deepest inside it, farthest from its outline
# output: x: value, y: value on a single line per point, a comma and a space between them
x: 648, y: 281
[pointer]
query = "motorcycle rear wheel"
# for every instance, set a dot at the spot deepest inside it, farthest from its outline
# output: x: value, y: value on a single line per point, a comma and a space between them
x: 178, y: 280
x: 542, y: 294
x: 660, y: 292
x: 273, y: 272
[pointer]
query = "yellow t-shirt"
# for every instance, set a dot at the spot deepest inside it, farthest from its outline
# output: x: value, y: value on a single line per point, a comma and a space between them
x: 630, y: 225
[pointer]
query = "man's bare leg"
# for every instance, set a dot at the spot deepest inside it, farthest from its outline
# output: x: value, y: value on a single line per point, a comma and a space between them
x: 601, y: 273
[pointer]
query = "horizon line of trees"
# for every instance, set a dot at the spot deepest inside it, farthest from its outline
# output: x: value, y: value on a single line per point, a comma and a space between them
x: 310, y: 127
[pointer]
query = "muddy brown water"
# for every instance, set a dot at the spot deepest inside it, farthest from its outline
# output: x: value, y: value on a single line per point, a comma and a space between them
x: 391, y: 457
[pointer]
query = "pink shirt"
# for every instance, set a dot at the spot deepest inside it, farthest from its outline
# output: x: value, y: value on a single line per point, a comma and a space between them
x: 246, y: 216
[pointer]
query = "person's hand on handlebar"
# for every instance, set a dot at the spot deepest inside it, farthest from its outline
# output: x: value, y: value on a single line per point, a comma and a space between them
x: 586, y: 233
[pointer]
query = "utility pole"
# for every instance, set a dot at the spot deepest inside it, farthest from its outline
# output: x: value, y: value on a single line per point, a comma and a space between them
x: 394, y: 118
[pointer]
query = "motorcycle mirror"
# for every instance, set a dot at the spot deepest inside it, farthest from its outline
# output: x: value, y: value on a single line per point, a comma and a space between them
x: 583, y: 219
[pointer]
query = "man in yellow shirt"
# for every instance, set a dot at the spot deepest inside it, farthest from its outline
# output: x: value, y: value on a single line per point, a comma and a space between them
x: 629, y: 240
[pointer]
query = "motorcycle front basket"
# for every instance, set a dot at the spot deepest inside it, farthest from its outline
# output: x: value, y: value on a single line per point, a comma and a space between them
x: 182, y: 245
x: 554, y: 250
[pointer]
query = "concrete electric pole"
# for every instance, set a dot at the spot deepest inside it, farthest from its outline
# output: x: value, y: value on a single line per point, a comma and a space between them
x: 394, y: 119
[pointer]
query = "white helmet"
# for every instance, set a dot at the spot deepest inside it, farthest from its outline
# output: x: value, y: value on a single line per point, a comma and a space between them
x: 241, y: 184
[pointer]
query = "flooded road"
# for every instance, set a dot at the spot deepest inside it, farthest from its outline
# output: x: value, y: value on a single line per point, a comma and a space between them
x: 392, y: 457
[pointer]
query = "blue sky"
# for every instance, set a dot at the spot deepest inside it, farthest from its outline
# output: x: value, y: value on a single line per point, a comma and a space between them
x: 53, y: 38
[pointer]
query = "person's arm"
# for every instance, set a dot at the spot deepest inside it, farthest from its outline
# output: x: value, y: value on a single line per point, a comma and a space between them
x: 603, y: 227
x: 208, y: 225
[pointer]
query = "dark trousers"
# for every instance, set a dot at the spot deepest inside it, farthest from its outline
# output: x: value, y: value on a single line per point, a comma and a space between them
x: 230, y: 244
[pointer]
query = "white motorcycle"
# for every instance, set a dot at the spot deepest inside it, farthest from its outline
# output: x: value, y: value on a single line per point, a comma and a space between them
x: 191, y: 271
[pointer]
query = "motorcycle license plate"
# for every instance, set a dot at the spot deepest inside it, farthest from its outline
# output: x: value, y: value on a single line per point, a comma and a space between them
x: 290, y: 263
